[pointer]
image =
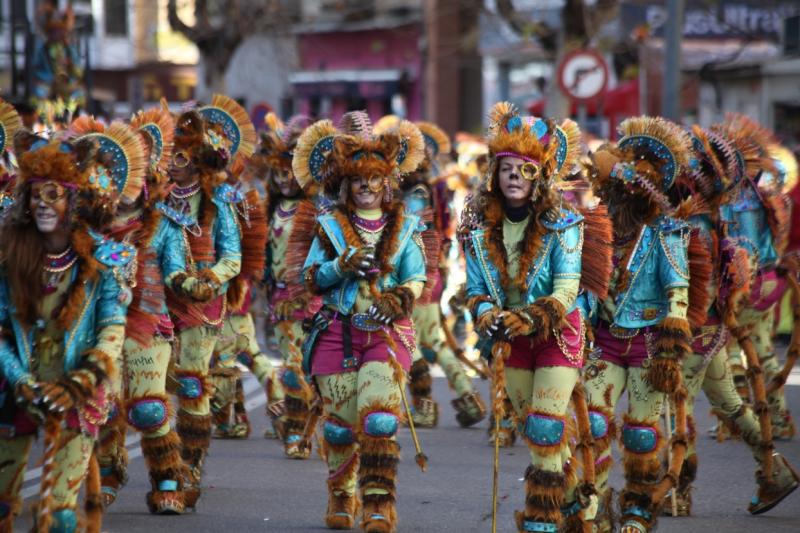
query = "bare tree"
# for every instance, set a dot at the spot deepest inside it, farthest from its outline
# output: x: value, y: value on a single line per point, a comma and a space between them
x: 221, y: 25
x: 581, y: 22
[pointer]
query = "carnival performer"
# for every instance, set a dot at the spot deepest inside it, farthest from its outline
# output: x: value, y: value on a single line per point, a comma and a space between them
x: 642, y: 333
x: 156, y: 230
x: 716, y: 169
x: 759, y: 220
x: 367, y: 263
x: 288, y: 300
x: 523, y: 275
x: 237, y: 342
x: 426, y: 194
x: 57, y: 73
x: 63, y: 335
x: 206, y: 142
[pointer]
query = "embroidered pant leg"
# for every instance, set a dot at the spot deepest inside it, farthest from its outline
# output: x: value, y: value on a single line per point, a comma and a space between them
x: 14, y: 455
x: 643, y: 442
x: 340, y: 409
x: 224, y: 373
x: 297, y: 392
x: 379, y: 412
x: 431, y: 339
x: 721, y: 392
x: 71, y: 466
x: 762, y: 337
x: 541, y: 400
x: 605, y: 382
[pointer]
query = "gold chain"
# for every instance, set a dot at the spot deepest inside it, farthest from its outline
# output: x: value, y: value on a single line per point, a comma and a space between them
x: 575, y: 248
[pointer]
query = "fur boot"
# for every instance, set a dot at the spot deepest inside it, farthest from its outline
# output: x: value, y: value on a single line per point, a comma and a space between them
x: 470, y: 409
x: 195, y: 435
x: 162, y: 455
x: 376, y: 479
x: 426, y: 411
x: 544, y: 495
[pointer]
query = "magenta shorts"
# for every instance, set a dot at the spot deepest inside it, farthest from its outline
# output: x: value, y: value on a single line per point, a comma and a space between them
x: 622, y: 352
x: 528, y: 353
x: 711, y: 338
x: 283, y: 294
x: 762, y: 302
x: 366, y: 347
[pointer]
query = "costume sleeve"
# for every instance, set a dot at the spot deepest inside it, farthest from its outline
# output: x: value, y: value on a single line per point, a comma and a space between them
x: 228, y: 244
x: 565, y: 261
x: 112, y: 304
x: 678, y: 303
x: 10, y: 366
x: 412, y: 264
x: 172, y: 251
x: 328, y: 272
x: 476, y: 286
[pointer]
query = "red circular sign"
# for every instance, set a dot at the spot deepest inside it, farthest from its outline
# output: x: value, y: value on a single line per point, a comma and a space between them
x: 583, y: 74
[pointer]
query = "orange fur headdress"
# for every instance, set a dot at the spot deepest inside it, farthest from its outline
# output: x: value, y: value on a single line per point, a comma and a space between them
x: 651, y: 154
x: 51, y: 19
x: 157, y: 129
x: 713, y: 166
x: 326, y: 154
x: 276, y: 149
x: 751, y: 142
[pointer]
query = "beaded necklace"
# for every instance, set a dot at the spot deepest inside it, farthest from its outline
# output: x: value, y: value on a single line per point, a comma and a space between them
x: 55, y: 266
x: 185, y: 192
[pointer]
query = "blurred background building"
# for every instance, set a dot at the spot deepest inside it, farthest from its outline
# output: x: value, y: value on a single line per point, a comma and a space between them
x: 441, y: 60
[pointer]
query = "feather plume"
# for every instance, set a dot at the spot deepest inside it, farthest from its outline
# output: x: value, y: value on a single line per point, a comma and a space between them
x: 700, y: 273
x: 10, y: 122
x: 131, y: 144
x: 309, y: 144
x: 431, y: 241
x: 569, y: 132
x: 750, y: 139
x: 85, y: 125
x: 356, y: 123
x: 670, y: 134
x: 413, y: 147
x: 436, y: 136
x: 499, y: 115
x: 598, y: 249
x: 253, y: 229
x: 247, y: 132
x: 157, y: 122
x: 386, y: 123
x: 304, y: 225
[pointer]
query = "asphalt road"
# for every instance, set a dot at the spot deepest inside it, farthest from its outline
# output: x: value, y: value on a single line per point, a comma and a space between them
x: 252, y: 487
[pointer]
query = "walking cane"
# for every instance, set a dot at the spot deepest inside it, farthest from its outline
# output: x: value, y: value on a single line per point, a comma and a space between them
x: 500, y: 351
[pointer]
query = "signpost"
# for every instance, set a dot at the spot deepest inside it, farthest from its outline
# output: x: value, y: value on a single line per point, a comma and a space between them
x: 582, y: 76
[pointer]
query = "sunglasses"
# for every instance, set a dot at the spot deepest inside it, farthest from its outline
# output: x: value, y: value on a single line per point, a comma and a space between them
x: 48, y: 192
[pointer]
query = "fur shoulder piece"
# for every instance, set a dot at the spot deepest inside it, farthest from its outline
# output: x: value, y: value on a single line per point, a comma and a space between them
x: 111, y: 253
x: 184, y: 220
x: 564, y: 219
x: 228, y: 194
x: 668, y: 224
x: 597, y: 253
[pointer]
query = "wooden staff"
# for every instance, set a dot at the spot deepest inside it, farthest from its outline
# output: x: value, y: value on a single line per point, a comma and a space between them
x: 668, y: 426
x: 500, y: 351
x: 453, y: 345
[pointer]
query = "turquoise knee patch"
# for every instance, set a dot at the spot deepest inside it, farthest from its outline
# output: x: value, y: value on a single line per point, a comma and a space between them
x: 190, y: 387
x: 147, y: 414
x: 380, y: 424
x: 544, y: 430
x: 428, y: 354
x: 290, y: 379
x: 64, y: 521
x: 336, y: 434
x: 598, y: 424
x: 639, y: 439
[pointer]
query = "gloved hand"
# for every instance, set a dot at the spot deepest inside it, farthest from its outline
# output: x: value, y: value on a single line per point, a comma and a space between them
x: 517, y: 324
x: 61, y: 396
x: 392, y: 305
x: 357, y: 261
x: 488, y: 323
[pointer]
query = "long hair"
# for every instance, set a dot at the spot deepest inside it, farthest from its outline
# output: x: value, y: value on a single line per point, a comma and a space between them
x: 22, y: 256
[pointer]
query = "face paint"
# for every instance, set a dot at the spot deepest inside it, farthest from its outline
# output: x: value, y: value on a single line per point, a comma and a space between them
x: 367, y: 193
x: 49, y: 202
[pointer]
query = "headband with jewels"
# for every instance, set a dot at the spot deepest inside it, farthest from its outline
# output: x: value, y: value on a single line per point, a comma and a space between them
x: 120, y: 164
x: 157, y: 127
x: 750, y: 140
x: 276, y: 147
x: 229, y: 129
x: 531, y: 139
x: 713, y: 163
x: 326, y: 154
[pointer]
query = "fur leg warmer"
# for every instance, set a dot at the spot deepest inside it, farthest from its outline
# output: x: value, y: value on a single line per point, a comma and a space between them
x: 544, y: 496
x: 162, y: 455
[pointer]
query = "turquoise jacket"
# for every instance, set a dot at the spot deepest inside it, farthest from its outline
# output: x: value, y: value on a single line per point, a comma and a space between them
x: 104, y: 305
x: 559, y: 257
x: 168, y: 244
x: 658, y: 263
x: 417, y: 199
x: 746, y: 221
x: 408, y: 263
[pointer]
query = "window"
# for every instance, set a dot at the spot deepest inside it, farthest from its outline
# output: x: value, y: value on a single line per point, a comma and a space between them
x: 116, y: 17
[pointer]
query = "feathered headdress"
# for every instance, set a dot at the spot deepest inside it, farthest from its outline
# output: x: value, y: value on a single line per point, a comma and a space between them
x: 51, y: 19
x: 326, y: 154
x: 531, y: 139
x: 229, y: 129
x: 278, y: 142
x: 651, y: 153
x: 120, y: 164
x: 159, y: 129
x: 751, y: 142
x: 10, y: 123
x: 713, y: 166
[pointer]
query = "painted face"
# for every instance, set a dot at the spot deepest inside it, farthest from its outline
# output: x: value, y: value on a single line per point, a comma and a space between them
x: 514, y: 184
x: 180, y: 168
x: 286, y: 183
x: 367, y: 193
x: 49, y: 203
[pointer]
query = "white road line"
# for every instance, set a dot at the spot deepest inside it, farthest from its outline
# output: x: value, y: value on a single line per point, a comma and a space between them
x: 132, y: 440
